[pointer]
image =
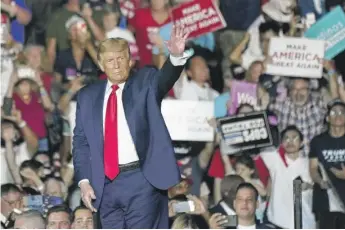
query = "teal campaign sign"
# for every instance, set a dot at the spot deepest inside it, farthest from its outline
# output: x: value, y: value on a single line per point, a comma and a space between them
x: 330, y: 28
x: 220, y: 108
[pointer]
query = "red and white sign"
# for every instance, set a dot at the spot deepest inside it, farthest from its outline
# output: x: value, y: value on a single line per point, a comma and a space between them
x: 128, y: 7
x: 296, y: 57
x: 199, y: 17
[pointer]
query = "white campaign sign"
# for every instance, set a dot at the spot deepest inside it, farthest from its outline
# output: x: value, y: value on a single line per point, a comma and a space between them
x: 187, y: 120
x: 296, y: 57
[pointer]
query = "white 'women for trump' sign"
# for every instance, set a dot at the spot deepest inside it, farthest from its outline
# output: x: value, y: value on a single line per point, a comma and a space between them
x: 187, y: 120
x: 296, y: 57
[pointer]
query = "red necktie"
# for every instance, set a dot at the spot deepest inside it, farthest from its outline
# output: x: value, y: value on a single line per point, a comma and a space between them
x: 111, y: 157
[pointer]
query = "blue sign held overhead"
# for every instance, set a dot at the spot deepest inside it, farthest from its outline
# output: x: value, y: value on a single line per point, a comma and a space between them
x: 330, y: 28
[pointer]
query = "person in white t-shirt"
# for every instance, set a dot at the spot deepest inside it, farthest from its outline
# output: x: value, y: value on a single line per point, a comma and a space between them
x: 197, y: 87
x: 285, y: 165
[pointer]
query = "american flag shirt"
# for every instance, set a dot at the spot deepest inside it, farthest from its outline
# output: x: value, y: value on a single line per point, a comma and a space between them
x: 309, y: 119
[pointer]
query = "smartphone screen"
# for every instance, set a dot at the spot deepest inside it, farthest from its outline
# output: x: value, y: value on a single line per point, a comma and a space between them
x: 231, y: 221
x: 7, y: 108
x: 185, y: 206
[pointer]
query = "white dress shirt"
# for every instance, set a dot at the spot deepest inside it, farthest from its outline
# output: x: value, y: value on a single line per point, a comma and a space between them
x: 126, y: 148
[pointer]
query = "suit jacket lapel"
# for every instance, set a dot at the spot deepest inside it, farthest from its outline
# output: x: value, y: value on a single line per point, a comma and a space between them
x: 98, y: 114
x: 127, y: 99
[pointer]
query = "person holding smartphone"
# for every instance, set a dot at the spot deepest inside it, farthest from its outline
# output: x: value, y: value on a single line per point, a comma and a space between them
x: 245, y: 204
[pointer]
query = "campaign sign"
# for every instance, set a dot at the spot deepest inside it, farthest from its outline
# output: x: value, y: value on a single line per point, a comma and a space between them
x: 242, y: 93
x: 246, y: 131
x: 128, y: 7
x: 296, y: 57
x: 187, y: 120
x: 330, y: 28
x: 41, y: 203
x: 220, y: 105
x: 199, y: 17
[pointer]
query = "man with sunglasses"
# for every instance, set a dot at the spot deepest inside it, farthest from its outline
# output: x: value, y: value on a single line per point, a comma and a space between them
x: 327, y: 168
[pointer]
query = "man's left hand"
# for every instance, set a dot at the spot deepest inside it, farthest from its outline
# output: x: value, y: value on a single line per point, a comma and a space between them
x: 177, y: 42
x: 339, y: 173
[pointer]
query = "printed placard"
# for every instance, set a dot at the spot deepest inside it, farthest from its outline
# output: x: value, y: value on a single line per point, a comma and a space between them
x: 128, y: 7
x: 220, y: 105
x: 242, y: 93
x: 296, y: 57
x: 246, y: 131
x: 199, y: 17
x: 330, y: 28
x: 187, y: 120
x: 41, y: 203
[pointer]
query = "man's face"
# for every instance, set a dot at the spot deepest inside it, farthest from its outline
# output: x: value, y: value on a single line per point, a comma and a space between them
x: 59, y: 220
x: 83, y: 219
x: 336, y: 116
x: 33, y: 57
x: 265, y: 41
x: 299, y: 92
x: 110, y: 21
x: 53, y: 188
x: 245, y: 203
x: 292, y: 142
x: 198, y: 70
x: 10, y: 201
x: 116, y: 65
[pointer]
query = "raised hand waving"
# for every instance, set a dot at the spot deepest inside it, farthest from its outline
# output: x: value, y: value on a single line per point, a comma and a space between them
x: 177, y: 42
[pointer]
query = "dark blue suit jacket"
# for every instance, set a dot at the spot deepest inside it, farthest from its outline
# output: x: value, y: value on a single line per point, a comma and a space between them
x: 142, y: 96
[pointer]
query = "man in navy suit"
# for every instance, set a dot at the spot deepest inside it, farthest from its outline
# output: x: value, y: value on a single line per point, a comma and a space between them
x: 122, y: 153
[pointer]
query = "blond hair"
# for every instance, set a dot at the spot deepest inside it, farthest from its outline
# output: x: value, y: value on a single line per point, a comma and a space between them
x: 112, y: 45
x: 248, y: 74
